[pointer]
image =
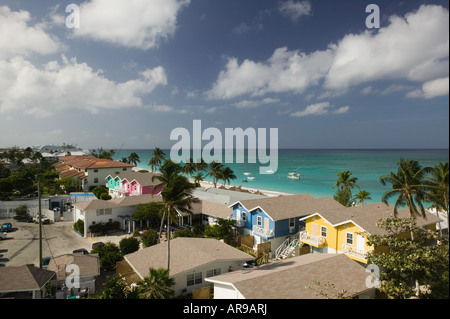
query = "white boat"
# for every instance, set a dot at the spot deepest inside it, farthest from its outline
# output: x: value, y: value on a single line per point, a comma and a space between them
x: 270, y: 171
x: 247, y: 174
x: 294, y: 175
x: 250, y: 178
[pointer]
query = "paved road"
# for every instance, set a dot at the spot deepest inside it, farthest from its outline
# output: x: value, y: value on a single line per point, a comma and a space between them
x: 22, y: 245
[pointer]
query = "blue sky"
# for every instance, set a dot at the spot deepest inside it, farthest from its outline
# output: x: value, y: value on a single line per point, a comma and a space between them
x: 134, y: 72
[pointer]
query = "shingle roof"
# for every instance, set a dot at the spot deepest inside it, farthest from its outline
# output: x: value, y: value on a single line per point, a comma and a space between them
x: 367, y: 216
x: 185, y: 254
x: 89, y: 161
x: 296, y: 277
x: 88, y: 264
x: 23, y: 278
x: 118, y: 202
x: 144, y: 179
x: 288, y: 206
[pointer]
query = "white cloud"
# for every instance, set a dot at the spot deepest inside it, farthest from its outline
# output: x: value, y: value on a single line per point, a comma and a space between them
x: 67, y: 86
x: 294, y: 10
x: 137, y: 23
x: 285, y: 71
x: 59, y: 85
x: 18, y: 38
x: 414, y: 48
x: 321, y: 108
x: 255, y: 103
x: 431, y: 89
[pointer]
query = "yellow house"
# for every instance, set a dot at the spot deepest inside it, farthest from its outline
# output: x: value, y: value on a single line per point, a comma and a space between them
x: 346, y: 230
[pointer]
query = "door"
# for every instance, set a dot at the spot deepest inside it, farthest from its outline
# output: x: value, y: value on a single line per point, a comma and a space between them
x: 360, y: 242
x: 266, y: 226
x: 314, y: 229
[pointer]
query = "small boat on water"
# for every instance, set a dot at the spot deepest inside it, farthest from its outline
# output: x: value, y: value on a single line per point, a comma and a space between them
x: 247, y: 174
x: 294, y: 175
x: 250, y: 178
x: 270, y: 171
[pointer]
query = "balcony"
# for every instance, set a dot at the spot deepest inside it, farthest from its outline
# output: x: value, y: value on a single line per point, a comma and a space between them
x: 309, y: 239
x: 258, y: 230
x: 239, y: 222
x: 355, y: 252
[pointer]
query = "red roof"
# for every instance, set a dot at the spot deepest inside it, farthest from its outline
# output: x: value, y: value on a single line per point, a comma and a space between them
x: 89, y: 162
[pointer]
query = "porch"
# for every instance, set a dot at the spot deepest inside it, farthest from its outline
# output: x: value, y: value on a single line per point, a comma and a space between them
x: 314, y: 240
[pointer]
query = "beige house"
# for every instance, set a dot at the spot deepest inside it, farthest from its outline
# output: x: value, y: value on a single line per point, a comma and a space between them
x: 89, y: 170
x: 24, y: 282
x: 85, y: 267
x: 301, y: 277
x: 192, y: 260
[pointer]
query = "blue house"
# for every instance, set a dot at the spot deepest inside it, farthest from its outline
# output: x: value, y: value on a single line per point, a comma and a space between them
x: 277, y: 219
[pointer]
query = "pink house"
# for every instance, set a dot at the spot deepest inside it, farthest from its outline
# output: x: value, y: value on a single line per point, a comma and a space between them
x: 133, y: 184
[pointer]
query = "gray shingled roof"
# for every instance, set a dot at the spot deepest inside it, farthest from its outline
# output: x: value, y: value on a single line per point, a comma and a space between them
x: 23, y: 278
x: 294, y: 278
x: 119, y: 202
x: 288, y: 206
x: 185, y: 254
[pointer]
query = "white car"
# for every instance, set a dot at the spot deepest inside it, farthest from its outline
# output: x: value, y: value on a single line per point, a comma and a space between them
x: 2, y: 235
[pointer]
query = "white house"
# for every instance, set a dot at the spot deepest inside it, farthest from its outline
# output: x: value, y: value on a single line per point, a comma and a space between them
x: 115, y: 210
x: 301, y: 277
x: 192, y: 260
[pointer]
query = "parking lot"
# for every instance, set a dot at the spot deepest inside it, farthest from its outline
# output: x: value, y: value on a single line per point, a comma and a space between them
x: 22, y: 243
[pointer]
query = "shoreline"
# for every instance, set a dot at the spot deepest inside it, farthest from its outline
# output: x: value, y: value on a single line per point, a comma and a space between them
x: 208, y: 184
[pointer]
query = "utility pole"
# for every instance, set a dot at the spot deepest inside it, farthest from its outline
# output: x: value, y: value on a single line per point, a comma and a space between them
x: 40, y: 224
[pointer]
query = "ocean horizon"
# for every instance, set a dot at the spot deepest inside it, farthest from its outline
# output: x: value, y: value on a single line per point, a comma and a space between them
x: 318, y: 168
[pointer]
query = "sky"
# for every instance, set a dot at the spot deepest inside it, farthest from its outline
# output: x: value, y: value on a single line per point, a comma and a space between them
x: 135, y: 70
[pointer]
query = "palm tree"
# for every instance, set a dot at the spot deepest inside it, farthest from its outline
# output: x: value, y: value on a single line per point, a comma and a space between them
x: 133, y: 159
x: 362, y: 196
x: 215, y: 169
x: 158, y: 157
x: 201, y: 165
x: 439, y: 194
x: 227, y: 175
x: 198, y: 178
x: 345, y: 181
x: 177, y: 196
x: 189, y: 167
x: 409, y: 185
x: 157, y: 285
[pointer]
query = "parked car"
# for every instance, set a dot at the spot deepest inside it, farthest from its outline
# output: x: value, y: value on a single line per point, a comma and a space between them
x: 45, y: 220
x: 80, y: 251
x: 3, y: 235
x: 98, y: 244
x: 23, y: 218
x: 45, y: 262
x: 6, y: 227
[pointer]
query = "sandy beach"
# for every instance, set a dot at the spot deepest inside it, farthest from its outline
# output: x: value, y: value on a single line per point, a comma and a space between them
x: 207, y: 184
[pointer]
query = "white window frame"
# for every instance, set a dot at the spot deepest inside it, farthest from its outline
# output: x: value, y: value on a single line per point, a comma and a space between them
x: 347, y: 239
x: 322, y: 228
x: 259, y: 221
x: 194, y: 279
x: 244, y: 216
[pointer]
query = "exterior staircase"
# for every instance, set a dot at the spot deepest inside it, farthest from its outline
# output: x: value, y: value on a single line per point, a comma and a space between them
x: 287, y: 247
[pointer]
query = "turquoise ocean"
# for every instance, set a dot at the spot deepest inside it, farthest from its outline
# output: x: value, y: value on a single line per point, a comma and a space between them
x: 318, y: 169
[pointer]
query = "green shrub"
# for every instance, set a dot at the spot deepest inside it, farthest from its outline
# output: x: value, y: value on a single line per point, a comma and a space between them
x: 128, y: 245
x: 79, y: 226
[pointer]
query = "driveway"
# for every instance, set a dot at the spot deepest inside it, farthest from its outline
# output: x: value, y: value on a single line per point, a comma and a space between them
x: 22, y: 245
